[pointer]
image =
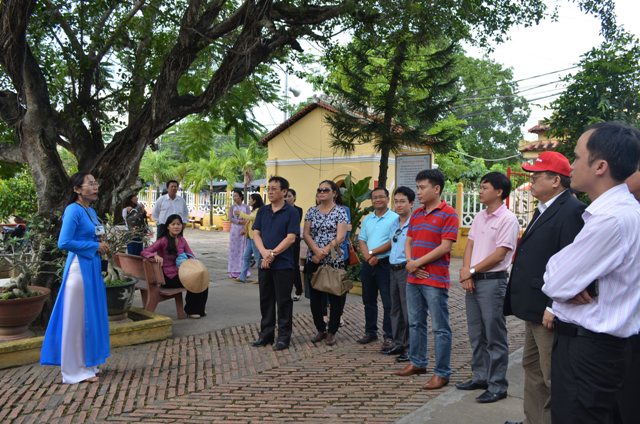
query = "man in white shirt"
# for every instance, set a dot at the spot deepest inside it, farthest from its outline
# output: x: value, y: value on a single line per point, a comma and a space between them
x: 169, y: 204
x: 595, y: 281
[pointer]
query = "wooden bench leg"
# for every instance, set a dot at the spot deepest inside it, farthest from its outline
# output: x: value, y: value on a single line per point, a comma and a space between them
x: 152, y: 302
x: 180, y: 307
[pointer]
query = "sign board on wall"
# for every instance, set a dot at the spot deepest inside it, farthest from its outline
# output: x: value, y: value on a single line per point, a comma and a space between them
x: 408, y: 166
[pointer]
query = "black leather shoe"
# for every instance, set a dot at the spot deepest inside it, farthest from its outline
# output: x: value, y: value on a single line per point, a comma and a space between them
x: 403, y: 358
x: 281, y: 346
x: 472, y: 385
x: 259, y: 342
x: 396, y: 350
x: 513, y: 422
x: 368, y: 338
x: 488, y: 397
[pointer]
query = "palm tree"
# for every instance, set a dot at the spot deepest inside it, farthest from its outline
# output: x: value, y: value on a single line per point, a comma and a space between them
x: 248, y: 162
x: 157, y: 167
x: 202, y: 174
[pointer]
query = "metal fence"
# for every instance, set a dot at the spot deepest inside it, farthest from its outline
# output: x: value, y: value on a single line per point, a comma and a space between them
x: 195, y: 201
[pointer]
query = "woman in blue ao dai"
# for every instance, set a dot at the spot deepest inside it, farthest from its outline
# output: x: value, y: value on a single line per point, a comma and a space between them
x: 77, y: 337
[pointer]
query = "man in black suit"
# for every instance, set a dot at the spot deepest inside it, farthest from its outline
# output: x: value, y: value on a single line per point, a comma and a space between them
x: 555, y: 223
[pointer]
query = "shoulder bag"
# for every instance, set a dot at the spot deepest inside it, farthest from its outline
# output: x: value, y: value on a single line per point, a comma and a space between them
x: 330, y: 279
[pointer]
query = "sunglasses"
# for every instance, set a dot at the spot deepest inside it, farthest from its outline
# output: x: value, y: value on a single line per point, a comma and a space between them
x: 323, y: 190
x: 396, y: 235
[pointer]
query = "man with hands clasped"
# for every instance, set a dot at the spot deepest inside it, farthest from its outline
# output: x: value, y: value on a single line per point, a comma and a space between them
x: 374, y: 242
x: 274, y: 232
x: 433, y: 229
x: 492, y: 240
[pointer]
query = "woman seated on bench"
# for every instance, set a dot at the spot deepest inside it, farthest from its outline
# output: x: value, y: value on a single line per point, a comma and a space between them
x: 165, y: 250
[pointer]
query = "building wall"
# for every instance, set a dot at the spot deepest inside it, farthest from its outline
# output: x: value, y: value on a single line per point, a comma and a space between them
x: 303, y: 155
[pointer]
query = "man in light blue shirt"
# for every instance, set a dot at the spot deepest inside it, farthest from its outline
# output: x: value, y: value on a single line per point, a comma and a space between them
x: 374, y: 242
x: 403, y: 199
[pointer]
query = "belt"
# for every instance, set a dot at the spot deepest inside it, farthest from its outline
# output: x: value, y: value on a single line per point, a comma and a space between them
x: 383, y: 260
x: 398, y: 267
x: 573, y: 330
x: 490, y: 275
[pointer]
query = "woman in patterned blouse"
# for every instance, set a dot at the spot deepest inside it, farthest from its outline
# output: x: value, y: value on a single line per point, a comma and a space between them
x: 325, y: 226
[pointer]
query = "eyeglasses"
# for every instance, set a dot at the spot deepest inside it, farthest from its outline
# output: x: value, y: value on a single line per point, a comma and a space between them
x: 535, y: 177
x: 91, y: 184
x: 396, y: 235
x: 323, y: 190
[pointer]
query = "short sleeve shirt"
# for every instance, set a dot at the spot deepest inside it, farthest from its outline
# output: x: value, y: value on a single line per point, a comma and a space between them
x: 375, y: 230
x: 274, y: 227
x: 427, y: 231
x: 324, y: 229
x: 490, y: 231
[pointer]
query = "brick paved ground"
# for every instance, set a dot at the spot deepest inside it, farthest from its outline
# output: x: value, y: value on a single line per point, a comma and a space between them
x: 218, y: 377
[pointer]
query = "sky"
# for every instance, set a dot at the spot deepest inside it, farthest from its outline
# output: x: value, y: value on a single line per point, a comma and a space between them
x: 531, y: 52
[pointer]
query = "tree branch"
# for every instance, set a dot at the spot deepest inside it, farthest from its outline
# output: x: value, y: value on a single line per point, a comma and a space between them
x: 123, y: 23
x: 77, y: 47
x: 11, y: 153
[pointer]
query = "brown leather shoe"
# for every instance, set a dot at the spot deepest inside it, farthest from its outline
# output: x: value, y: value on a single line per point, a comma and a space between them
x: 330, y: 340
x: 436, y: 382
x: 410, y: 370
x: 319, y: 337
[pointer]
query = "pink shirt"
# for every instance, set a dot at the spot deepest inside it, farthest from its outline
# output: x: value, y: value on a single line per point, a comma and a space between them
x: 490, y: 231
x: 168, y: 260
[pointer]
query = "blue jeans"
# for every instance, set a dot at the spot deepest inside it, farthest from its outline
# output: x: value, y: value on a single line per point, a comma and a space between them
x: 423, y: 300
x: 376, y: 279
x: 246, y: 258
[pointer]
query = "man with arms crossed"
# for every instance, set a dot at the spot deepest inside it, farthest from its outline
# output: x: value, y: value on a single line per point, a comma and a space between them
x: 433, y: 229
x: 595, y: 281
x: 274, y: 232
x: 557, y: 220
x: 492, y: 240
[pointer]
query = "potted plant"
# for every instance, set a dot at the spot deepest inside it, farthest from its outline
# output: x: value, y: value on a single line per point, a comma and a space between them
x: 120, y: 288
x: 27, y: 258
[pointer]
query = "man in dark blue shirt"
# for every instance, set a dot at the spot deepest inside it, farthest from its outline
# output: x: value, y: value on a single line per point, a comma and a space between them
x: 274, y: 232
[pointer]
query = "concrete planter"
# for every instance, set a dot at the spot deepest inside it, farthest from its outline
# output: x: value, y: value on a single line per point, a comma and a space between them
x: 17, y: 314
x: 141, y: 327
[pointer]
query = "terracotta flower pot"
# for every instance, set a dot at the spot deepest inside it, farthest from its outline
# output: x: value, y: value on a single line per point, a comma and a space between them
x: 226, y: 226
x: 17, y: 314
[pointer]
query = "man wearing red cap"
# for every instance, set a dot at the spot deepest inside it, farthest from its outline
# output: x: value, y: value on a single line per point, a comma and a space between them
x: 555, y: 223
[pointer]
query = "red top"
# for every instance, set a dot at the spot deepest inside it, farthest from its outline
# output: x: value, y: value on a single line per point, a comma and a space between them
x: 161, y: 247
x: 427, y: 230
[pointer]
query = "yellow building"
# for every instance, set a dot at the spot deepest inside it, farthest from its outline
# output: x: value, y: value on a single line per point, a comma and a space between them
x: 300, y: 150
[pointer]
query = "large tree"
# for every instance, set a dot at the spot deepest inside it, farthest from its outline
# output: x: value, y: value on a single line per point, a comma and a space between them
x: 606, y: 88
x: 105, y: 78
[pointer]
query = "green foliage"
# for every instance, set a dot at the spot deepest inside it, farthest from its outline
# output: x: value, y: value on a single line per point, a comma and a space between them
x: 157, y: 166
x: 392, y: 96
x: 18, y: 196
x: 32, y: 259
x: 247, y: 163
x: 607, y: 88
x: 488, y: 102
x: 354, y: 194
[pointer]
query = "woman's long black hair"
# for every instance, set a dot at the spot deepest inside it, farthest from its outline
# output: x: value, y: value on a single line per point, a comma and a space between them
x: 257, y: 201
x: 171, y: 242
x: 76, y: 180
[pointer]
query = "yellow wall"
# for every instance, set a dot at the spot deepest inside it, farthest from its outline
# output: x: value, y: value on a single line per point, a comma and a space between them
x: 303, y: 155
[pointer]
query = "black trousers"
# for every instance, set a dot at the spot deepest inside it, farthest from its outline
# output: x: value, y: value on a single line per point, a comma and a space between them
x: 587, y: 372
x: 275, y: 291
x: 318, y: 301
x: 297, y: 280
x: 629, y: 396
x: 194, y: 303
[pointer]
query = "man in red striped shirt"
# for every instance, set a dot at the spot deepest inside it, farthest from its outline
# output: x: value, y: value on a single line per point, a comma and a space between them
x: 433, y: 229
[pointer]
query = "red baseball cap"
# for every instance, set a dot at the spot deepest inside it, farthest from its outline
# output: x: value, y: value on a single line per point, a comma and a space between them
x: 549, y: 161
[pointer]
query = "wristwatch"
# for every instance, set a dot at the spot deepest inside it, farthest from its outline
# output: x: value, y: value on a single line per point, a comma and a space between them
x: 472, y: 271
x: 370, y: 252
